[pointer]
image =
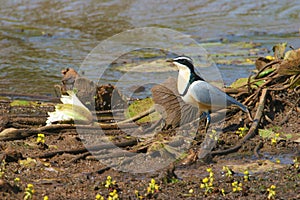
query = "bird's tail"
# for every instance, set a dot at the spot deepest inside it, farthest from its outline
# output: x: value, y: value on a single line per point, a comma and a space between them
x: 231, y: 101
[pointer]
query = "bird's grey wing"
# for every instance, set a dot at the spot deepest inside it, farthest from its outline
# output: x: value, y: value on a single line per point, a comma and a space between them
x: 207, y: 94
x: 210, y: 95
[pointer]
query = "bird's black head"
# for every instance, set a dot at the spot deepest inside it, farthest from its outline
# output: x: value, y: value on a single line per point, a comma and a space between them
x: 185, y: 61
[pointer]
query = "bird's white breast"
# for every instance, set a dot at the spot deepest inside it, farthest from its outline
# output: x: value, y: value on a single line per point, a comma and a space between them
x: 183, y: 79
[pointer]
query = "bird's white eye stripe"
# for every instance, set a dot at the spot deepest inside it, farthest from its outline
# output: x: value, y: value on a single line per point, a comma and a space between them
x: 182, y: 58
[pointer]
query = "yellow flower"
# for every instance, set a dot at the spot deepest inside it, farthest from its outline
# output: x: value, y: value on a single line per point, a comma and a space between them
x: 17, y: 179
x: 272, y: 192
x: 270, y: 57
x: 223, y: 192
x: 273, y: 187
x: 40, y: 138
x: 205, y: 180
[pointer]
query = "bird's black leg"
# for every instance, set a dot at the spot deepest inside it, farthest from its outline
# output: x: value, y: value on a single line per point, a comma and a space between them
x: 207, y: 121
x: 207, y: 116
x: 203, y: 114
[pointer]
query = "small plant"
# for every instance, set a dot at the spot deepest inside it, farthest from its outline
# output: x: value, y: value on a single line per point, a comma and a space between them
x: 113, y: 195
x: 236, y: 186
x: 153, y: 187
x: 211, y: 174
x: 242, y: 131
x: 2, y: 168
x: 109, y: 183
x: 275, y: 139
x: 272, y: 192
x: 270, y: 57
x: 17, y: 182
x: 138, y: 195
x: 207, y: 182
x: 99, y: 197
x: 40, y: 138
x: 214, y: 135
x: 29, y: 191
x: 228, y: 171
x: 223, y: 192
x: 246, y: 175
x: 296, y: 163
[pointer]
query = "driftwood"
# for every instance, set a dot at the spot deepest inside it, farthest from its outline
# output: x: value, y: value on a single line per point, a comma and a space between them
x: 14, y: 134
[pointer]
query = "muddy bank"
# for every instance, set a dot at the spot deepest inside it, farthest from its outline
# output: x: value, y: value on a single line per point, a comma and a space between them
x: 256, y: 159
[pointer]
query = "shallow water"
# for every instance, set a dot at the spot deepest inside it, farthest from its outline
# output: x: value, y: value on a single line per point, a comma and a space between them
x: 40, y: 38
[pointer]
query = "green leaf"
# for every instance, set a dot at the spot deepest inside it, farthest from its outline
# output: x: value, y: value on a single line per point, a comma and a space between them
x: 244, y: 81
x: 266, y: 133
x: 265, y: 73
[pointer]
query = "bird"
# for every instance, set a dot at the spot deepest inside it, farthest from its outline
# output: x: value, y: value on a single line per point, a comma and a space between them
x: 68, y: 81
x: 194, y: 90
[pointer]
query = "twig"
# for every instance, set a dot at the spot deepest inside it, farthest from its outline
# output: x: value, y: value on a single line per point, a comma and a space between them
x: 257, y: 148
x: 234, y: 90
x: 285, y: 119
x: 13, y: 134
x: 252, y: 130
x: 269, y: 120
x: 266, y: 66
x: 81, y: 156
x: 287, y: 86
x: 255, y: 95
x: 137, y: 117
x: 109, y: 111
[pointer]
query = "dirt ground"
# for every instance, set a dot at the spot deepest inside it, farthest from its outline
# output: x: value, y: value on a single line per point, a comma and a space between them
x: 78, y: 175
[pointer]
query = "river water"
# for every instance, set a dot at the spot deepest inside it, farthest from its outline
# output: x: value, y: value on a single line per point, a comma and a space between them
x: 40, y: 38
